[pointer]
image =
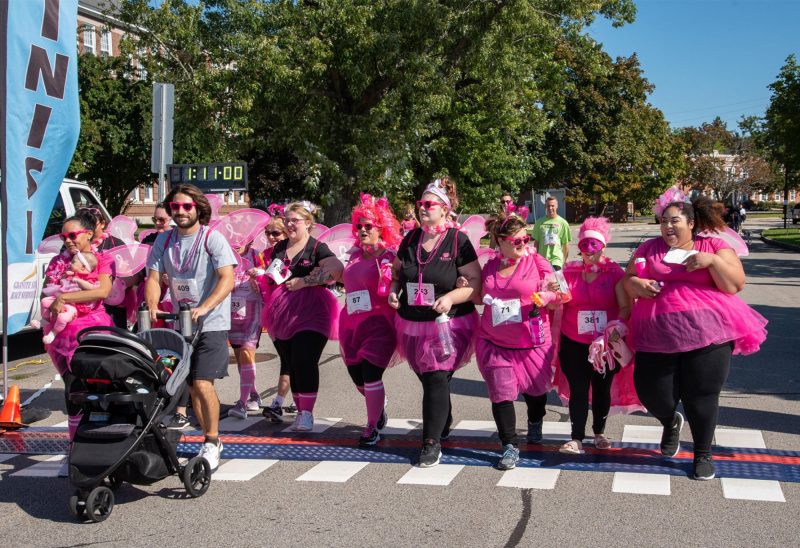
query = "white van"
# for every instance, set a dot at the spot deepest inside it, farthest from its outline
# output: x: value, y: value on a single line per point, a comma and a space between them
x: 72, y: 196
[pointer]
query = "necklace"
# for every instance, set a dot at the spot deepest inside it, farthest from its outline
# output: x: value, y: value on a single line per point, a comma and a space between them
x: 183, y: 266
x: 683, y: 245
x: 498, y: 277
x: 422, y: 264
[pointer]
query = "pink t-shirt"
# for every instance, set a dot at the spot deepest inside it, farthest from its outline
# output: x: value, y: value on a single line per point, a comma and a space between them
x: 525, y: 280
x: 362, y: 274
x: 593, y: 304
x: 654, y: 251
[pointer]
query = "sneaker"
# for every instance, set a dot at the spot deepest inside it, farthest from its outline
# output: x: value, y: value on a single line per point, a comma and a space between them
x: 535, y: 432
x: 383, y: 420
x: 274, y: 413
x: 291, y: 408
x: 178, y: 422
x: 211, y: 452
x: 703, y: 467
x: 304, y: 422
x: 509, y: 459
x: 239, y: 411
x: 254, y: 403
x: 671, y: 438
x: 369, y: 437
x: 430, y: 455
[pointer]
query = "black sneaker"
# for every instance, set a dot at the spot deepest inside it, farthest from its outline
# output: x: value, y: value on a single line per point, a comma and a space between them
x: 703, y: 467
x: 369, y: 437
x: 291, y: 408
x: 671, y: 438
x: 430, y: 455
x: 274, y: 413
x: 178, y: 422
x: 383, y: 420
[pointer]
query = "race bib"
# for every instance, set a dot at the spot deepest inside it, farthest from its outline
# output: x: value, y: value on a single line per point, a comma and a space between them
x: 426, y: 292
x: 592, y: 321
x: 239, y: 299
x: 358, y: 301
x: 550, y: 238
x: 184, y: 290
x: 277, y: 271
x: 506, y: 312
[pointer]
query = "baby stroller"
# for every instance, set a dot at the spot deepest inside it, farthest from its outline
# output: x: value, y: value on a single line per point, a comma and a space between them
x: 126, y: 388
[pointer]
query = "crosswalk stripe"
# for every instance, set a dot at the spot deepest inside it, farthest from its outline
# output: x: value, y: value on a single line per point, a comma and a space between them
x: 530, y: 478
x: 477, y: 429
x: 48, y: 468
x: 242, y: 469
x: 641, y: 484
x: 333, y: 471
x: 320, y: 425
x: 637, y: 433
x: 234, y: 424
x: 442, y: 475
x: 7, y: 456
x: 730, y: 437
x: 748, y: 489
x: 556, y: 430
x: 401, y: 427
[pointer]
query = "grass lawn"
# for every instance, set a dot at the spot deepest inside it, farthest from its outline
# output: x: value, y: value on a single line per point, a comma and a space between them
x: 789, y: 236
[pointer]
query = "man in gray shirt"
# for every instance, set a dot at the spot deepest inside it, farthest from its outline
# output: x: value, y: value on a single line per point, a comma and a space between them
x: 200, y: 264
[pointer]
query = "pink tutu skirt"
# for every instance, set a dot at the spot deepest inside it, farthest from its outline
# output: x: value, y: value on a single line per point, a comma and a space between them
x: 65, y: 343
x: 509, y: 372
x: 368, y: 336
x: 245, y: 331
x: 624, y: 400
x: 418, y: 343
x: 309, y: 309
x: 686, y: 317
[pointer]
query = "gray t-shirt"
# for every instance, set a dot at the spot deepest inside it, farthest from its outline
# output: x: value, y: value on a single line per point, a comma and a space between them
x: 199, y: 277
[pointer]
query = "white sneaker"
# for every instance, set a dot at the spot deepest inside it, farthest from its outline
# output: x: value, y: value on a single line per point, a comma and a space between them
x: 211, y: 453
x: 254, y: 403
x: 304, y: 422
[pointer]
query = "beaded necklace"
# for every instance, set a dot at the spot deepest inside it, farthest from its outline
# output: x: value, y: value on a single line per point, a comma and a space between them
x: 183, y: 266
x: 422, y: 264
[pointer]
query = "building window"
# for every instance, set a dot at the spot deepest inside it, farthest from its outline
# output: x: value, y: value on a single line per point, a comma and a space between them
x: 89, y: 37
x: 135, y: 195
x: 763, y: 196
x: 105, y: 43
x: 793, y: 195
x: 141, y: 71
x: 148, y: 193
x: 242, y: 196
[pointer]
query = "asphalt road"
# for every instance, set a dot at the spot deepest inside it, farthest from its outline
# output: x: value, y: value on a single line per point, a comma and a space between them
x: 371, y: 508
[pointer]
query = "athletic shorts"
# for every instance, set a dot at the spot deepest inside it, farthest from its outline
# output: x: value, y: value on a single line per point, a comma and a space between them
x: 210, y: 357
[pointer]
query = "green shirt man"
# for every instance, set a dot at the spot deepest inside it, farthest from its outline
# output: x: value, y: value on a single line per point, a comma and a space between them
x: 551, y: 235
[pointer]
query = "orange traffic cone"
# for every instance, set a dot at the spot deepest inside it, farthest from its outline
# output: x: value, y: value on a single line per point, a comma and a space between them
x: 10, y: 416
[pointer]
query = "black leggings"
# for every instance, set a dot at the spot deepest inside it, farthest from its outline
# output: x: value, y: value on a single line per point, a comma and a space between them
x: 580, y: 374
x: 300, y: 356
x: 436, y: 407
x: 506, y: 418
x: 695, y: 378
x: 364, y: 371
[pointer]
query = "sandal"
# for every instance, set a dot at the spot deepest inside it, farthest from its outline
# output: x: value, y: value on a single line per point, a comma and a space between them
x: 572, y: 447
x: 601, y: 442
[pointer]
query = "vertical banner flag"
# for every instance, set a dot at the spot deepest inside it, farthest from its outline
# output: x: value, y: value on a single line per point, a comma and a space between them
x: 41, y: 127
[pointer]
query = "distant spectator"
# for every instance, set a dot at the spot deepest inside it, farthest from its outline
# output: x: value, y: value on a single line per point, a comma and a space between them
x: 505, y: 201
x: 551, y: 235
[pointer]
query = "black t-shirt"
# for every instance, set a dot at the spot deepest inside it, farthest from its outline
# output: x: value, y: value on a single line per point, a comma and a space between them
x: 305, y: 261
x: 441, y: 271
x: 151, y: 238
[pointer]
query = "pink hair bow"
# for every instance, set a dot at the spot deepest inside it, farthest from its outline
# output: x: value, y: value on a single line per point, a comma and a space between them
x: 670, y: 196
x: 276, y: 210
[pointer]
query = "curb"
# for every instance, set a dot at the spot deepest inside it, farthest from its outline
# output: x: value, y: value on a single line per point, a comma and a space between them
x: 783, y: 245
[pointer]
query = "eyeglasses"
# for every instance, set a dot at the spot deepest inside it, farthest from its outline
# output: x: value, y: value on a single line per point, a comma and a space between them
x: 518, y: 241
x: 160, y: 219
x: 366, y: 226
x: 176, y: 206
x: 274, y: 233
x: 427, y: 204
x: 293, y: 221
x: 74, y: 234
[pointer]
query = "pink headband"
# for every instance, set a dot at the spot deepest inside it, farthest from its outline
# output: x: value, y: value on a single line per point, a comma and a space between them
x: 593, y: 234
x: 438, y: 189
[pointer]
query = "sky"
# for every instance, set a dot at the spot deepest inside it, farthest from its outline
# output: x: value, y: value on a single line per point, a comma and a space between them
x: 708, y: 58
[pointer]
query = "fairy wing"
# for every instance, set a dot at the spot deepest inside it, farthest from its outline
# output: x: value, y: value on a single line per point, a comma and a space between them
x: 342, y: 248
x: 317, y: 230
x: 731, y: 237
x: 484, y: 254
x: 51, y: 244
x: 242, y: 226
x: 475, y: 227
x: 260, y: 243
x: 342, y: 231
x: 145, y: 233
x: 129, y: 259
x: 123, y: 228
x: 215, y: 201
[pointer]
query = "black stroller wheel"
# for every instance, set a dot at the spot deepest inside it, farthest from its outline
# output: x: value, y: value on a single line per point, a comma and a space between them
x: 99, y: 503
x: 77, y: 506
x: 196, y: 476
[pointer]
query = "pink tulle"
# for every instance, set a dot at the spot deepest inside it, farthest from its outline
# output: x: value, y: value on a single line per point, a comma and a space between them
x: 65, y: 343
x: 368, y: 336
x: 308, y: 309
x: 509, y: 372
x: 418, y: 343
x: 246, y: 331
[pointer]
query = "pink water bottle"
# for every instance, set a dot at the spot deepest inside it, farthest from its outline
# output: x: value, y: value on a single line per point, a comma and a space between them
x: 385, y: 280
x: 537, y: 326
x: 640, y: 264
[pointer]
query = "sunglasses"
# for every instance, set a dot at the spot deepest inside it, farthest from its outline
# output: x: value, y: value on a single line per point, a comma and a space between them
x: 274, y: 233
x: 507, y: 201
x: 366, y: 226
x: 427, y: 204
x: 74, y: 234
x: 518, y: 241
x: 176, y: 206
x: 160, y: 219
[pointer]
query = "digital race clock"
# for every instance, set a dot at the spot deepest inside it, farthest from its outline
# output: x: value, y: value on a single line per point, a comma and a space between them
x: 210, y: 177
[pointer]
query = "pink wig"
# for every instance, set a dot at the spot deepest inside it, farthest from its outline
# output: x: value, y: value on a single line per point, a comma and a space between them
x: 593, y: 227
x: 379, y: 213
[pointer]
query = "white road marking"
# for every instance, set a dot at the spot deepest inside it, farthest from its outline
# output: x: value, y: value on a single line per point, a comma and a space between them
x: 333, y: 471
x: 242, y: 469
x: 234, y: 424
x: 636, y: 433
x: 530, y: 478
x: 556, y: 430
x: 641, y: 484
x: 730, y: 437
x: 749, y: 489
x: 48, y: 468
x: 441, y: 474
x: 320, y: 425
x: 401, y: 427
x: 474, y: 429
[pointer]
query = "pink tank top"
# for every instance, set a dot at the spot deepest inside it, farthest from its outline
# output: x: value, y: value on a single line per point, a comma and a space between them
x: 362, y: 274
x: 594, y: 304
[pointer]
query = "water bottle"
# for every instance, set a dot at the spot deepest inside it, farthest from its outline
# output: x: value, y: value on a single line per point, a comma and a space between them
x: 143, y: 318
x: 537, y: 326
x: 445, y: 335
x: 640, y: 264
x: 385, y: 280
x: 185, y: 320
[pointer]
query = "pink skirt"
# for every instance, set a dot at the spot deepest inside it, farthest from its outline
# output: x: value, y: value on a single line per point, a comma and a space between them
x: 509, y: 372
x: 368, y: 336
x: 418, y: 343
x: 686, y: 317
x: 309, y: 309
x: 245, y: 332
x: 65, y: 343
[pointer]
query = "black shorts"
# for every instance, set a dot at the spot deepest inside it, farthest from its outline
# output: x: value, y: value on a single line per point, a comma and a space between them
x: 210, y: 357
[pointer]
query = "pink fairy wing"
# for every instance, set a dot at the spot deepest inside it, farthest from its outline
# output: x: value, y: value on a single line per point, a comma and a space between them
x: 129, y: 259
x: 484, y: 254
x: 730, y: 237
x: 342, y: 231
x: 215, y: 200
x: 145, y: 233
x: 123, y: 228
x: 342, y: 248
x: 317, y: 230
x: 475, y: 228
x: 242, y: 226
x: 51, y: 244
x: 261, y: 243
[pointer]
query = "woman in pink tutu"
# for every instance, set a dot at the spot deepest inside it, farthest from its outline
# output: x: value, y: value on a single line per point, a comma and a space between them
x: 515, y: 350
x: 436, y: 321
x: 77, y: 234
x: 366, y: 324
x: 595, y: 314
x: 687, y: 321
x: 302, y: 312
